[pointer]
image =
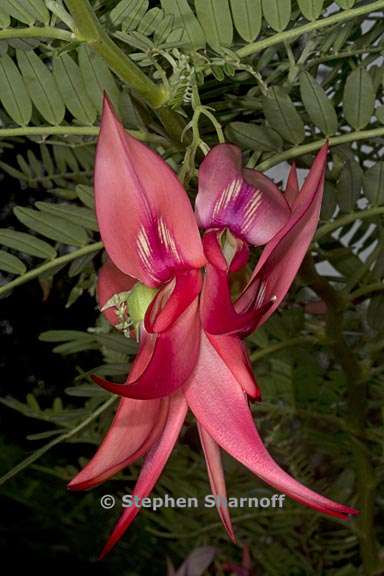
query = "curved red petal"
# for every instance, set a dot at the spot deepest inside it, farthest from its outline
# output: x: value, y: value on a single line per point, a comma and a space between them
x: 219, y: 404
x: 144, y: 215
x: 136, y: 426
x: 153, y: 467
x: 110, y: 281
x: 186, y: 287
x: 245, y: 201
x: 169, y: 364
x: 216, y: 478
x: 292, y: 188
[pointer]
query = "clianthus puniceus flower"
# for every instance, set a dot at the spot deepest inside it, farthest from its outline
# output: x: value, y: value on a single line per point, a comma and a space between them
x: 176, y: 290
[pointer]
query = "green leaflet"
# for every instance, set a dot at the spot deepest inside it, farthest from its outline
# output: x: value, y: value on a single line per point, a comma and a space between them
x: 81, y: 215
x: 73, y: 90
x: 345, y: 4
x: 129, y: 13
x: 311, y: 9
x: 185, y: 20
x: 151, y: 21
x: 97, y: 77
x: 358, y: 98
x: 26, y: 11
x: 277, y: 13
x: 41, y: 86
x: 52, y: 226
x: 257, y: 138
x: 12, y: 264
x: 282, y: 115
x: 85, y: 194
x: 349, y: 184
x: 319, y: 107
x: 247, y: 18
x: 5, y: 19
x: 373, y: 183
x: 26, y: 243
x: 13, y: 93
x: 215, y: 18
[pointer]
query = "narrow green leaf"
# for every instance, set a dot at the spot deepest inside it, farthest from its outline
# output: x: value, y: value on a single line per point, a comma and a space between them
x: 359, y: 98
x: 85, y: 194
x: 282, y: 115
x: 277, y: 13
x: 164, y: 29
x: 257, y: 138
x: 12, y: 264
x: 247, y: 17
x: 73, y: 90
x: 373, y: 183
x: 52, y: 226
x: 97, y: 77
x: 311, y: 9
x: 129, y: 13
x: 19, y: 10
x: 349, y: 186
x: 345, y: 4
x: 26, y: 243
x: 80, y: 264
x: 82, y: 216
x: 375, y: 313
x: 41, y: 86
x: 215, y: 19
x: 13, y: 93
x: 5, y: 22
x: 65, y: 336
x: 151, y: 21
x: 117, y: 343
x: 185, y: 19
x: 319, y: 107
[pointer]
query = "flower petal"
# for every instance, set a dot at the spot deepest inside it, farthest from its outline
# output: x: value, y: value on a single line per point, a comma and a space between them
x: 282, y: 257
x: 169, y: 363
x: 136, y: 426
x: 144, y: 215
x: 153, y: 466
x: 218, y: 403
x: 292, y: 188
x: 216, y: 478
x: 245, y: 201
x: 110, y: 281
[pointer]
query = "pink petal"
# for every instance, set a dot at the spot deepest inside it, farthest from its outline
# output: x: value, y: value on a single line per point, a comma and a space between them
x: 170, y: 358
x: 136, y: 426
x: 282, y: 257
x: 110, y: 281
x: 216, y: 478
x: 292, y: 188
x: 153, y: 466
x: 144, y: 215
x: 245, y: 201
x: 234, y: 353
x: 171, y: 301
x: 218, y: 403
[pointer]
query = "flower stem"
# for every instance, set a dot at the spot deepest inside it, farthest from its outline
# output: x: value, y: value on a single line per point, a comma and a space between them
x: 348, y: 219
x: 293, y: 33
x: 300, y: 340
x: 357, y: 411
x: 35, y: 272
x: 313, y: 146
x: 38, y: 32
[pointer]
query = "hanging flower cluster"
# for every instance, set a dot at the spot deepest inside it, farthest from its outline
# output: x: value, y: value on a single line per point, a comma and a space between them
x: 173, y: 288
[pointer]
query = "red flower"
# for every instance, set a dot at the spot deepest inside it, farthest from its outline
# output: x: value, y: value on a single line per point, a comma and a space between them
x: 151, y: 237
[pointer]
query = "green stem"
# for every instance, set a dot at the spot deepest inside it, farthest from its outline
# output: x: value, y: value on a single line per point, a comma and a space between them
x: 313, y: 146
x: 357, y: 403
x: 75, y: 131
x: 24, y: 278
x: 293, y: 33
x: 37, y: 32
x: 255, y: 356
x: 62, y: 438
x: 348, y: 219
x: 366, y: 291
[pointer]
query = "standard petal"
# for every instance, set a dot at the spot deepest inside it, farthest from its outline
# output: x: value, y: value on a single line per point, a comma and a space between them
x: 136, y: 426
x: 245, y: 201
x: 144, y: 215
x: 218, y: 403
x: 153, y: 466
x: 169, y: 362
x: 282, y: 257
x: 216, y: 478
x: 110, y: 281
x: 292, y: 188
